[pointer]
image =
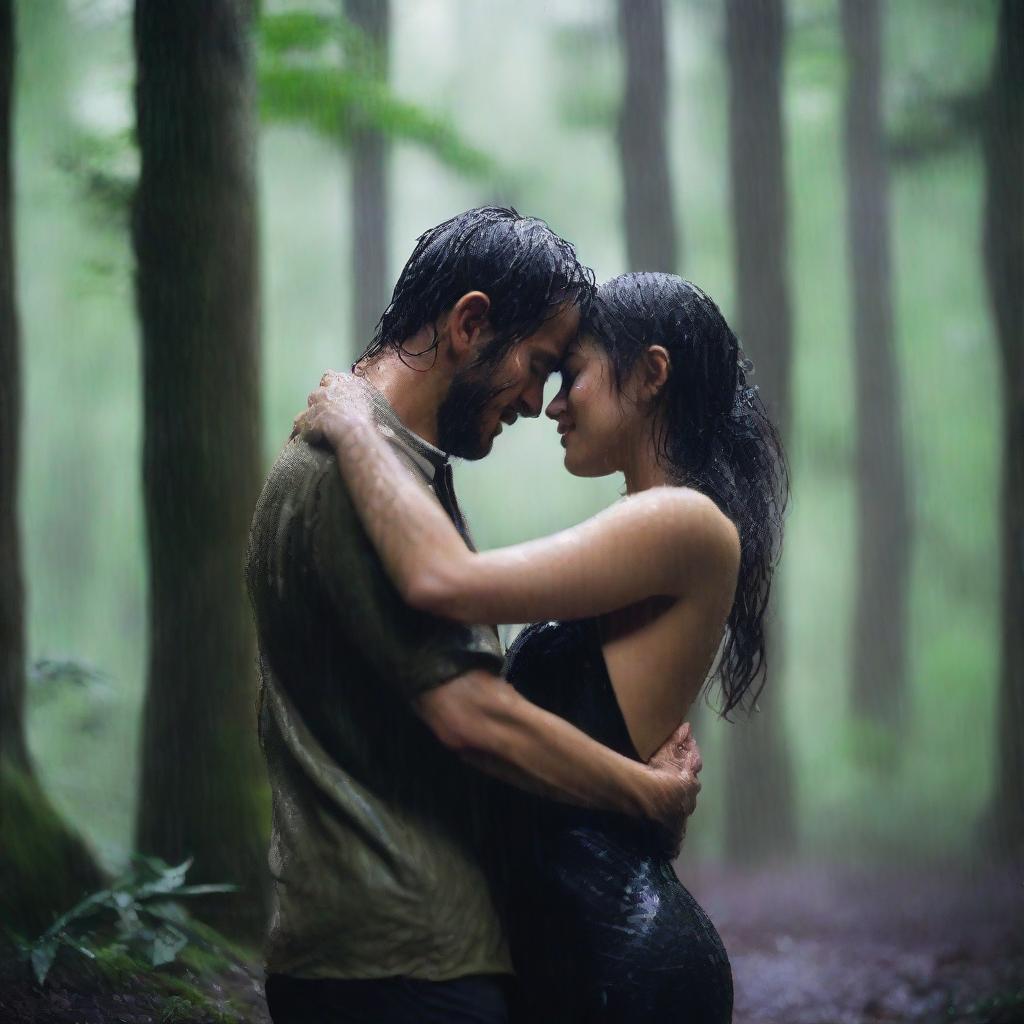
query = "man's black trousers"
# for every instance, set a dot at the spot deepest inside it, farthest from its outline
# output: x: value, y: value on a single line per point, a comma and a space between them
x: 477, y: 999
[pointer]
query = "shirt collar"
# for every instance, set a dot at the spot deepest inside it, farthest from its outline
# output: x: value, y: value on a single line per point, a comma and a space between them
x: 429, y: 458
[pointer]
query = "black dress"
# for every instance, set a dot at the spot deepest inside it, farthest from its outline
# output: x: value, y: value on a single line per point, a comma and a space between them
x: 601, y: 928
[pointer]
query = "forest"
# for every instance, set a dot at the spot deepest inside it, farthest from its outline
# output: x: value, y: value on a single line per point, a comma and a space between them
x: 204, y: 205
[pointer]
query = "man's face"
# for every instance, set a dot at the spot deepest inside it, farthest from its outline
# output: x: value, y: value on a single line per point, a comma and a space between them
x: 482, y: 398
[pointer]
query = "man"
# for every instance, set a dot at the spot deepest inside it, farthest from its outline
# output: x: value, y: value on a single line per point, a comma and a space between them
x: 371, y: 710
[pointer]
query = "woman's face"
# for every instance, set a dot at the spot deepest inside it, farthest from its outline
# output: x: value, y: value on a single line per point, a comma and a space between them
x: 596, y: 421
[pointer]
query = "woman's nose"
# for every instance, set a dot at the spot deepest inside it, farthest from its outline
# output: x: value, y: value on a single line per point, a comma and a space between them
x: 556, y: 406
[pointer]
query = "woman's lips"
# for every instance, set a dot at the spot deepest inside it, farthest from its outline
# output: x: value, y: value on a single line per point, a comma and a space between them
x: 565, y: 433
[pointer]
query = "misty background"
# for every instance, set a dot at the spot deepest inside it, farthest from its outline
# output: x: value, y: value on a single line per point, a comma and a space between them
x: 542, y: 107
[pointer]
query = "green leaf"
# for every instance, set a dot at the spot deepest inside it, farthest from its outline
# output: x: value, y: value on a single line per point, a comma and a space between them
x: 202, y: 890
x: 168, y: 879
x: 334, y: 93
x: 296, y: 30
x: 153, y: 866
x: 167, y: 944
x: 78, y: 945
x: 167, y: 910
x: 87, y: 907
x: 43, y: 954
x: 160, y: 927
x: 333, y: 102
x: 305, y: 33
x: 320, y: 98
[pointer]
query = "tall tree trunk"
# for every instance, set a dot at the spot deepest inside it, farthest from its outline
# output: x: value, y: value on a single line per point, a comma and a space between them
x: 44, y: 866
x: 760, y: 818
x: 879, y: 641
x: 648, y: 213
x: 369, y: 188
x: 12, y: 599
x: 1003, y: 246
x: 202, y: 788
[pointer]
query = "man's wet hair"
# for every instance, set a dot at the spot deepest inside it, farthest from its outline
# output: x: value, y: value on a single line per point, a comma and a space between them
x: 526, y: 270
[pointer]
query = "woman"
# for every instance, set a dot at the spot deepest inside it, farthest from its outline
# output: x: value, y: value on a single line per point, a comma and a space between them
x: 633, y: 605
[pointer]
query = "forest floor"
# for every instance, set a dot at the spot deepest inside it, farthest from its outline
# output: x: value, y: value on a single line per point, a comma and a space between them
x: 807, y: 945
x: 821, y: 946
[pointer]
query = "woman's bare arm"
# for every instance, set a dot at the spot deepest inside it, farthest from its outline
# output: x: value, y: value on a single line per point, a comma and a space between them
x: 662, y: 542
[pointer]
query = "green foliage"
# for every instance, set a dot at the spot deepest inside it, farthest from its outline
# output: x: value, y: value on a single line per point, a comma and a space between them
x: 105, y: 169
x: 334, y: 102
x: 141, y: 903
x: 296, y: 32
x: 334, y: 90
x: 315, y: 70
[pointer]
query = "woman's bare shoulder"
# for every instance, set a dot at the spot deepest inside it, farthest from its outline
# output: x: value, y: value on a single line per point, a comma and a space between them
x: 687, y: 510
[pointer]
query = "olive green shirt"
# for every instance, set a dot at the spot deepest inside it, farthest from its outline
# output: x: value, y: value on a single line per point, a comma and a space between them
x: 377, y: 828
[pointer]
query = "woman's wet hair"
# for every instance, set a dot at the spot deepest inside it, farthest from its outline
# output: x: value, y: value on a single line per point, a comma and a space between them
x: 526, y: 270
x: 713, y: 434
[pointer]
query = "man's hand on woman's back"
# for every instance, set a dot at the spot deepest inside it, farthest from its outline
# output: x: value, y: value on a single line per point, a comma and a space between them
x: 676, y: 766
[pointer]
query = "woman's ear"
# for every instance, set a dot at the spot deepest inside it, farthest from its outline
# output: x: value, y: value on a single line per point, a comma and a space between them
x: 655, y: 366
x: 465, y: 324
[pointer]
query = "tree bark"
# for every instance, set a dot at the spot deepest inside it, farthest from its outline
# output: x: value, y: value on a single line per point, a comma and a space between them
x: 760, y: 818
x: 1003, y: 245
x: 12, y: 600
x: 879, y: 642
x: 648, y: 211
x: 202, y: 789
x: 369, y: 191
x: 44, y: 866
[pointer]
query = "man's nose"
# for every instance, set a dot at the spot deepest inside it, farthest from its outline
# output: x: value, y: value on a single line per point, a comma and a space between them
x: 531, y: 401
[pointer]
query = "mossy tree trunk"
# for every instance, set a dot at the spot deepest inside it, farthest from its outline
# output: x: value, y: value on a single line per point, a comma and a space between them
x: 648, y: 211
x: 760, y: 817
x: 369, y: 193
x: 44, y: 866
x: 878, y: 648
x: 202, y: 789
x: 1003, y: 245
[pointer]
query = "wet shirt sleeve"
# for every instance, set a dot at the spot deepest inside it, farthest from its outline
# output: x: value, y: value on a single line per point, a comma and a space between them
x: 409, y: 650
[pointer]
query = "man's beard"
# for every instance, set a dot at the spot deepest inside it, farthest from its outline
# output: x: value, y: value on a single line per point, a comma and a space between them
x: 460, y: 416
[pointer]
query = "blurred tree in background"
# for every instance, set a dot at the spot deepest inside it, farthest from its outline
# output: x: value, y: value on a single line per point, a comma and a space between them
x: 878, y: 643
x: 760, y: 814
x: 648, y: 210
x: 44, y: 865
x: 202, y: 786
x: 369, y: 186
x: 1003, y: 245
